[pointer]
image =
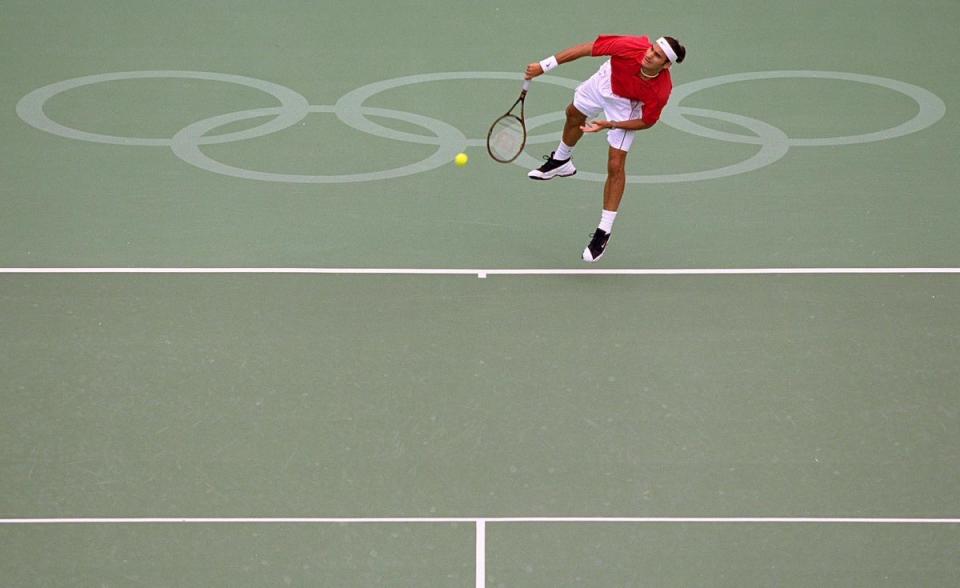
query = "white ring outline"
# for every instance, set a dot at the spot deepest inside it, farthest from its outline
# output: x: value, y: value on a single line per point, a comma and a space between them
x: 30, y: 107
x: 772, y: 149
x: 186, y: 146
x: 932, y: 108
x: 347, y: 107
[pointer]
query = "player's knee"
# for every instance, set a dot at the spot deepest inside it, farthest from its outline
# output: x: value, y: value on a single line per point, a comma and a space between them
x: 616, y: 166
x: 575, y: 115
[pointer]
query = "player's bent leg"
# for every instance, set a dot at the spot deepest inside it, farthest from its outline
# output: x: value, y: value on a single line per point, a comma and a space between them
x: 571, y: 128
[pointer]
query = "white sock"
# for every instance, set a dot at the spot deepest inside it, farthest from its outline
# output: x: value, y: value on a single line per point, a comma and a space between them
x: 563, y: 151
x: 606, y: 220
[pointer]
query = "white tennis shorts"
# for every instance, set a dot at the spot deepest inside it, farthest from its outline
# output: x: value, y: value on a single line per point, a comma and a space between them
x: 595, y: 96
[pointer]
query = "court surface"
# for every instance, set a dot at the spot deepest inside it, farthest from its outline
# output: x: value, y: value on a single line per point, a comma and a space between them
x: 258, y: 330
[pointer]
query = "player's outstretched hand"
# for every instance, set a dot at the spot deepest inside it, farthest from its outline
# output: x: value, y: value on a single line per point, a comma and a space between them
x: 594, y: 126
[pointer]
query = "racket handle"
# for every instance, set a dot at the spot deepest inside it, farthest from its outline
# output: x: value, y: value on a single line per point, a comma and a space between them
x: 526, y: 85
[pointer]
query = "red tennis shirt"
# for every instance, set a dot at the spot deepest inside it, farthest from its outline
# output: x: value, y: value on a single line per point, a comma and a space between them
x: 626, y: 53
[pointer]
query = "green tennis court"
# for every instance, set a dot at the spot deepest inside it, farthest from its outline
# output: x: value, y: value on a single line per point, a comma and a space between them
x: 259, y: 330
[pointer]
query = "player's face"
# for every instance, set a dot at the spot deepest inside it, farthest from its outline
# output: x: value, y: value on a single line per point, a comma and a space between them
x: 655, y: 58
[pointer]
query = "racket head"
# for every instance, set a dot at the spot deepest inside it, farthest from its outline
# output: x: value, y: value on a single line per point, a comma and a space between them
x: 506, y: 138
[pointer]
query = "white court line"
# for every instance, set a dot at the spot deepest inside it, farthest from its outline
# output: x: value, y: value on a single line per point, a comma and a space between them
x: 480, y: 568
x: 480, y: 524
x: 476, y: 520
x: 482, y: 273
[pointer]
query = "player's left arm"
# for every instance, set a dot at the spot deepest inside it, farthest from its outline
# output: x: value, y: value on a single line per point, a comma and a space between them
x: 567, y: 55
x: 633, y: 124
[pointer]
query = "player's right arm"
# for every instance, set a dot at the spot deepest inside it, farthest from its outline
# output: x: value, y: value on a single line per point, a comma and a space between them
x: 569, y: 54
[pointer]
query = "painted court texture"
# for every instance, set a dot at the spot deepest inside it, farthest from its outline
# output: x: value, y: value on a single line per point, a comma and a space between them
x: 257, y: 329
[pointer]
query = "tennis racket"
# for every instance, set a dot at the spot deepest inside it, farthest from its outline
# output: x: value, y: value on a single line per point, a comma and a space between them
x: 508, y: 134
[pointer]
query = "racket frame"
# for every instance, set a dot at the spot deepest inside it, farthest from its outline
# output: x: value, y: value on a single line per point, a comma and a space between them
x: 509, y: 114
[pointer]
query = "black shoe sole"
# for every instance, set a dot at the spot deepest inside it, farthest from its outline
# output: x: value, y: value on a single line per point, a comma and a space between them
x: 551, y: 177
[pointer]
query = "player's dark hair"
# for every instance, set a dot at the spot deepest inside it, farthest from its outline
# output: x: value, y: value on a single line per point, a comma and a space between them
x: 679, y: 49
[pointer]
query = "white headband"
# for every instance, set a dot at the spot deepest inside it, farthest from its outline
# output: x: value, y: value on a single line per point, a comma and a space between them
x: 667, y: 49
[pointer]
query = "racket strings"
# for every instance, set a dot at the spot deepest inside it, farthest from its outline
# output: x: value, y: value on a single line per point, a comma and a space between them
x: 506, y: 139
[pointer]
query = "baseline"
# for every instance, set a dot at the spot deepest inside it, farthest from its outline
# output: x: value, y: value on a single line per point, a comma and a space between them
x: 477, y: 520
x: 483, y: 273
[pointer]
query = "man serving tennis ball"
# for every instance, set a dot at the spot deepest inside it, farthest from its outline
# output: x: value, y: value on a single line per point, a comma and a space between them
x: 630, y: 89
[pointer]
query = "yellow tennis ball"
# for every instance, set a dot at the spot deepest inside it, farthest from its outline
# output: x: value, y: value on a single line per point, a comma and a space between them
x: 461, y: 159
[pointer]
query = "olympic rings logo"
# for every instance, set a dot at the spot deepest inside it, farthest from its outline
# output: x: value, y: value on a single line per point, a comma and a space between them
x: 449, y: 140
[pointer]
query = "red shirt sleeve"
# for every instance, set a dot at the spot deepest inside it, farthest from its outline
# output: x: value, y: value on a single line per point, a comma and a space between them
x: 602, y: 46
x: 652, y: 115
x: 616, y: 45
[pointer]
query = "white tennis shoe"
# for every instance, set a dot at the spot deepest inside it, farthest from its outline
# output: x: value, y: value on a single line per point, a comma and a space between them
x: 553, y: 168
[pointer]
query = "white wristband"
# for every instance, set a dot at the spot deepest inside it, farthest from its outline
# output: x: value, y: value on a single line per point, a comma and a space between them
x: 549, y: 63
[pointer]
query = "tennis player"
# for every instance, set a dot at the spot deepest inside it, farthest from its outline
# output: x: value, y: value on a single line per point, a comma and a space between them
x: 630, y: 89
